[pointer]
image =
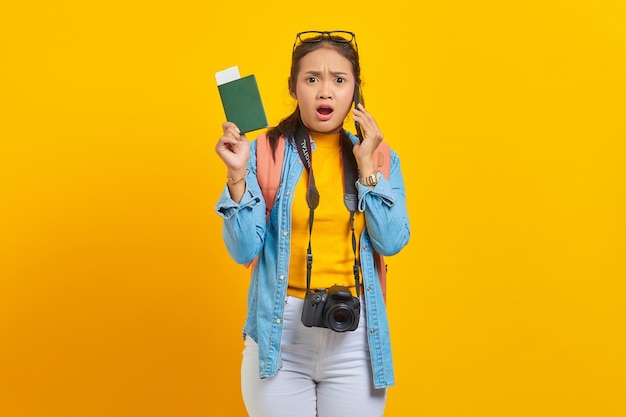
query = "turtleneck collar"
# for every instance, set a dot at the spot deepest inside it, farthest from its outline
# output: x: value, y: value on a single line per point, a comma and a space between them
x: 326, y: 140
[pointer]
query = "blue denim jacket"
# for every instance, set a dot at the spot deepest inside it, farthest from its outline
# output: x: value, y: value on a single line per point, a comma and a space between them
x: 247, y: 236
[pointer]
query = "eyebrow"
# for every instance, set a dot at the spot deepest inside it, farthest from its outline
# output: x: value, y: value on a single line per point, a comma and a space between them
x: 313, y: 72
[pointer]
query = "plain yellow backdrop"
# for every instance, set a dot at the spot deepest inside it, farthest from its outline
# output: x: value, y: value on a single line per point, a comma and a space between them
x: 117, y: 297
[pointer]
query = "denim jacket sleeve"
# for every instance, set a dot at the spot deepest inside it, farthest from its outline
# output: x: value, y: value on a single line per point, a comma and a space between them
x: 385, y: 210
x: 243, y: 228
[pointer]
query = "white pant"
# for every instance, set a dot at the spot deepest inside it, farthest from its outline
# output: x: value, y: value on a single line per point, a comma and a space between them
x: 324, y: 373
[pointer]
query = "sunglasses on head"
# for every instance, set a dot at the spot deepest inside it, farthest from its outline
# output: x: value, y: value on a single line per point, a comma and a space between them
x: 313, y: 36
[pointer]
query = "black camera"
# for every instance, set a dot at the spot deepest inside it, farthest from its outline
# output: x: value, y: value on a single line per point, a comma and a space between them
x: 334, y: 308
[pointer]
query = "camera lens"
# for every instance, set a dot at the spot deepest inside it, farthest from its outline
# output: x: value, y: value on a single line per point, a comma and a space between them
x: 340, y: 318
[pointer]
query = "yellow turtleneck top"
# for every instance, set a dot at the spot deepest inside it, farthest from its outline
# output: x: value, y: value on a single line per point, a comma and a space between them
x: 331, y: 239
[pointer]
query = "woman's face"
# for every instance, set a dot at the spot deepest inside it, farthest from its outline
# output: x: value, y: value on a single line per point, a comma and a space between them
x: 324, y: 90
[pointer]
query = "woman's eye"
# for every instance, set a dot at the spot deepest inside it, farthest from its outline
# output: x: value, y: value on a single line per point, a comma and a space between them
x: 311, y: 79
x: 339, y: 80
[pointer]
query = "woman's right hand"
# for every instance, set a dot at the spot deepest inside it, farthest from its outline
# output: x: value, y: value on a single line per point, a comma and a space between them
x: 233, y: 148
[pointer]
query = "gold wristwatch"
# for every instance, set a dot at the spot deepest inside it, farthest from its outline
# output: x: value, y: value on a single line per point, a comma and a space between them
x: 370, y: 179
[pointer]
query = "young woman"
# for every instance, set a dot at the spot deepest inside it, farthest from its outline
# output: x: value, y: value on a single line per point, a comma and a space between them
x: 316, y: 335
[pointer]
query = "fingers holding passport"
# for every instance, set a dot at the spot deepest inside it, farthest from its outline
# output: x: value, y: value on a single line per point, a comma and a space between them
x: 233, y: 147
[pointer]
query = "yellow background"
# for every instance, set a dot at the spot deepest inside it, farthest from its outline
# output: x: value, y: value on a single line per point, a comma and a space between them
x: 117, y: 297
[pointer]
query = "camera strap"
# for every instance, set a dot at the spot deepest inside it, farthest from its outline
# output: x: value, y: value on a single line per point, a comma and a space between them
x: 350, y: 173
x: 350, y: 197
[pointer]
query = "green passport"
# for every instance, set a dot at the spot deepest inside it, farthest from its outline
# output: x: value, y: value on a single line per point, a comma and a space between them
x: 242, y: 104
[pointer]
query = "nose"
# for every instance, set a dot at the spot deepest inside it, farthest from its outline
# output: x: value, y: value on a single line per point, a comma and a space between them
x: 325, y: 90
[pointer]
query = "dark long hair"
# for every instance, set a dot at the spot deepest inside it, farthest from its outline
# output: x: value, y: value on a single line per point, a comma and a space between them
x: 290, y: 124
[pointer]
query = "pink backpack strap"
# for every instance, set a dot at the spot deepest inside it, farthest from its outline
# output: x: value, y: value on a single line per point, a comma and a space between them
x: 382, y: 156
x: 382, y: 160
x: 268, y: 169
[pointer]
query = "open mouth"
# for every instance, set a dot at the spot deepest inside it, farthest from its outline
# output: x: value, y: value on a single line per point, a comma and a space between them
x: 325, y: 110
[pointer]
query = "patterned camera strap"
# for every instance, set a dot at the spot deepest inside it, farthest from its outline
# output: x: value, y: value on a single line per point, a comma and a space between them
x: 350, y: 198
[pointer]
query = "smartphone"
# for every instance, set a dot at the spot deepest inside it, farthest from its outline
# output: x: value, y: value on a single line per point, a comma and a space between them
x: 357, y: 100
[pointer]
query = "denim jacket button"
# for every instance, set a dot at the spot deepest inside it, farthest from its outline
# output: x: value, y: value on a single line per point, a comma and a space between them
x: 282, y: 277
x: 278, y: 321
